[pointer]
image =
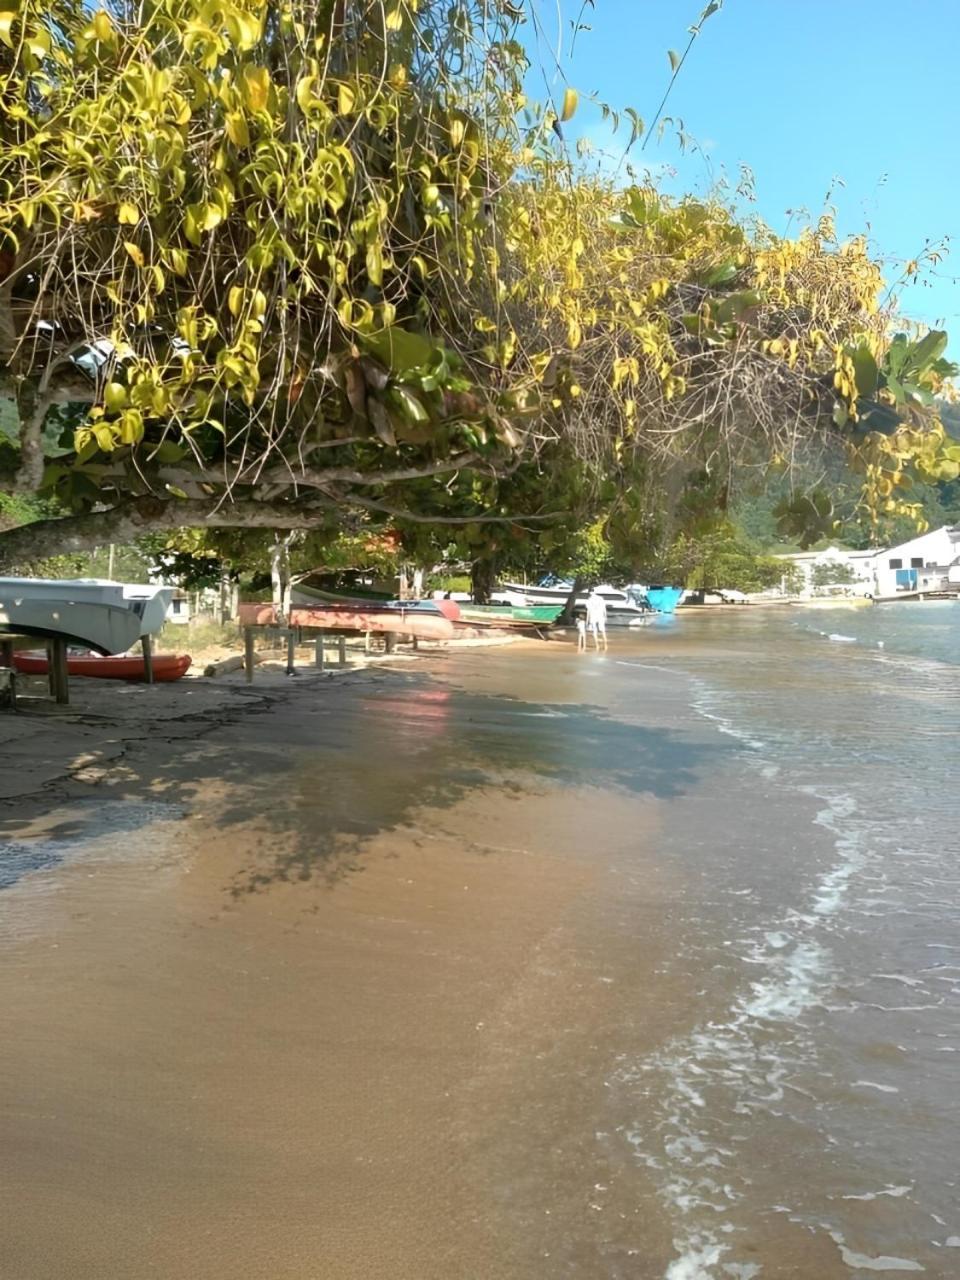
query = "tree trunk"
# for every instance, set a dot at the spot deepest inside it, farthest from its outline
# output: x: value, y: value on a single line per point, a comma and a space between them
x: 403, y: 584
x: 483, y: 579
x: 418, y: 584
x: 566, y: 614
x: 280, y: 574
x: 226, y: 595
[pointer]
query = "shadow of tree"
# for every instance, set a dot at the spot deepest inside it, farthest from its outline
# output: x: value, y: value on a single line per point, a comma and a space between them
x: 360, y: 757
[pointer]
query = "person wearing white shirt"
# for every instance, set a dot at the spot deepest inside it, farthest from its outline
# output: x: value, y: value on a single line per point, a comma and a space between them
x: 597, y: 618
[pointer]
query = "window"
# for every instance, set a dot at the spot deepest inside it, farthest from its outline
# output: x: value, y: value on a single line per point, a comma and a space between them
x: 916, y: 562
x: 896, y: 564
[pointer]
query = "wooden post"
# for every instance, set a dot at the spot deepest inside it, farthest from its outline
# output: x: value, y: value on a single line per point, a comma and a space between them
x: 146, y: 644
x: 342, y: 650
x: 318, y: 650
x: 248, y: 653
x: 291, y: 651
x: 59, y: 682
x: 389, y: 640
x: 366, y: 642
x: 416, y: 646
x: 6, y: 652
x: 51, y: 670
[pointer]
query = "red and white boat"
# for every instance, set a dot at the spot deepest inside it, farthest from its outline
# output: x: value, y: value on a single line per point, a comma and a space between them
x: 401, y: 618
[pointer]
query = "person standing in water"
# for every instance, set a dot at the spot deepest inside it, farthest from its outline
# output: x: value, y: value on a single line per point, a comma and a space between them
x: 597, y: 618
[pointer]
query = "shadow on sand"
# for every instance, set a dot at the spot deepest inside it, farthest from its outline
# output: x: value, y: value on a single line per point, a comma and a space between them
x: 319, y: 774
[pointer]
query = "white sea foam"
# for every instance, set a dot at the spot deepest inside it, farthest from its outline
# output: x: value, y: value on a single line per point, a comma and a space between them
x: 840, y: 639
x: 696, y: 1255
x: 872, y: 1084
x: 895, y: 1193
x: 863, y: 1262
x: 739, y: 1064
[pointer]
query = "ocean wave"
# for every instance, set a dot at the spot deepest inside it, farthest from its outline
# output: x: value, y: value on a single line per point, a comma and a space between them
x: 738, y: 1065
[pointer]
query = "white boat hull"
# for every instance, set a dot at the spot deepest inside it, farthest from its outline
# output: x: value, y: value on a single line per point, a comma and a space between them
x: 107, y: 616
x: 106, y: 628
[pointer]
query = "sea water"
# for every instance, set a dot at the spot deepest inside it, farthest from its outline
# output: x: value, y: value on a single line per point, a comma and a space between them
x: 819, y: 1086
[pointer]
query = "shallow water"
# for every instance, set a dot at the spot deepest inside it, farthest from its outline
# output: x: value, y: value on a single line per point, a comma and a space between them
x: 820, y: 1085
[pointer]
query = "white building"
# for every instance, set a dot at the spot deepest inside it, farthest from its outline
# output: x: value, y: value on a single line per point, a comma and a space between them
x: 810, y: 563
x: 929, y: 562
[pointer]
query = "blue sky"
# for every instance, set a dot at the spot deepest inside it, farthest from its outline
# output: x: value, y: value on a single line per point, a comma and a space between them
x: 804, y: 92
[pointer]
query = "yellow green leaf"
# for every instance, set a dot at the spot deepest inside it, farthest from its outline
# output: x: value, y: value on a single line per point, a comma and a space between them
x: 375, y: 263
x: 102, y: 26
x: 178, y: 261
x: 104, y: 438
x: 7, y: 20
x: 570, y: 100
x: 345, y: 99
x: 135, y: 252
x: 127, y: 213
x: 256, y: 87
x: 305, y: 96
x: 235, y: 300
x: 394, y: 18
x: 237, y: 131
x: 114, y: 397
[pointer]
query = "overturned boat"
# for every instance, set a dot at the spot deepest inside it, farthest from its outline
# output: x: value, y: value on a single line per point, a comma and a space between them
x: 107, y: 617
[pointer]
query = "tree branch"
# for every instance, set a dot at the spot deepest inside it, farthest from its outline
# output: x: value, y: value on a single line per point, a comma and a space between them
x: 125, y: 523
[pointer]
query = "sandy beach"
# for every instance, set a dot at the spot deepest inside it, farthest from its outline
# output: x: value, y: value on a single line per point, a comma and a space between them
x: 309, y: 993
x: 499, y: 963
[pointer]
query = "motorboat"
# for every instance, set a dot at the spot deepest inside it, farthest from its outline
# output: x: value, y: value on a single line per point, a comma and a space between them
x: 623, y: 610
x: 107, y: 617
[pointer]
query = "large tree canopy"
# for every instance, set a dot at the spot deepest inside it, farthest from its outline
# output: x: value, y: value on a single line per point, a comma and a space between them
x: 264, y: 262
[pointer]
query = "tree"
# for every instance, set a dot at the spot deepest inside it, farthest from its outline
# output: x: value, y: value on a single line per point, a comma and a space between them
x: 294, y: 265
x: 720, y: 560
x: 835, y: 573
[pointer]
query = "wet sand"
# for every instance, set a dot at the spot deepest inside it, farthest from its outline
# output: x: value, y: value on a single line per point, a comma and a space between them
x: 375, y: 976
x: 317, y: 986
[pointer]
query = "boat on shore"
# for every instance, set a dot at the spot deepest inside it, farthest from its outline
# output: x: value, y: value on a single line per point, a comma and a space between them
x: 167, y: 667
x: 511, y: 615
x: 108, y: 617
x: 401, y: 619
x: 624, y: 609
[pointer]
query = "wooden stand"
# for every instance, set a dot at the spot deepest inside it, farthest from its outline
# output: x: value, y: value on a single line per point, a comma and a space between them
x: 342, y: 650
x: 318, y: 650
x: 57, y: 671
x: 146, y: 644
x: 248, y: 653
x: 291, y: 651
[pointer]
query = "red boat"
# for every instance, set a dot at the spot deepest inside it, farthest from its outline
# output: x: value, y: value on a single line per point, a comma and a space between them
x: 166, y: 666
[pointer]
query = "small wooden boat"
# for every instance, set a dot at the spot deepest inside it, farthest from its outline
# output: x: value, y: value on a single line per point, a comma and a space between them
x: 166, y: 666
x: 504, y: 615
x: 364, y: 600
x: 401, y: 619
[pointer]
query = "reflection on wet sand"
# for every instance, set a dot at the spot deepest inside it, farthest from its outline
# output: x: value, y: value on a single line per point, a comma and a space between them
x: 331, y: 992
